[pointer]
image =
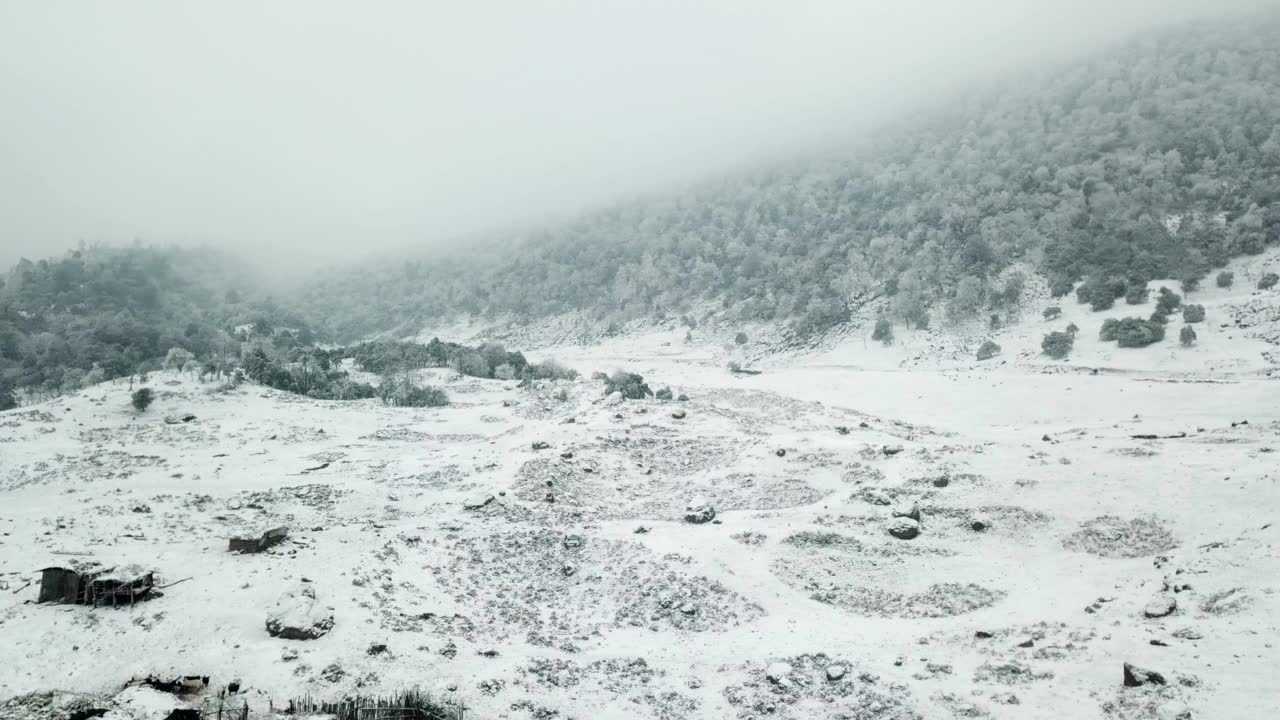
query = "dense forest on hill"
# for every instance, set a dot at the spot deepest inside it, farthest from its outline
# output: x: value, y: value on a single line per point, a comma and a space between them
x: 100, y: 313
x: 1158, y: 158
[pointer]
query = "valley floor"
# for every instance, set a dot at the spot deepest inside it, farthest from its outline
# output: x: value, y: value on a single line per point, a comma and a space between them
x: 526, y: 583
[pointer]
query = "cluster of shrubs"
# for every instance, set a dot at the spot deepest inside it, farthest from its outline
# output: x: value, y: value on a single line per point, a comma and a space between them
x: 1131, y: 332
x: 1167, y: 301
x: 317, y: 373
x: 630, y: 385
x: 401, y: 392
x: 1058, y: 344
x: 491, y: 360
x: 1101, y: 293
x: 1268, y: 281
x: 308, y: 373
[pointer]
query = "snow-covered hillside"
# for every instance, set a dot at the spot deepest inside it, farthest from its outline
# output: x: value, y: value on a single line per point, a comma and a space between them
x: 1052, y: 546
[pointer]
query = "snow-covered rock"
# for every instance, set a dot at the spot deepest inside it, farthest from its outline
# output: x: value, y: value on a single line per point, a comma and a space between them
x: 298, y: 615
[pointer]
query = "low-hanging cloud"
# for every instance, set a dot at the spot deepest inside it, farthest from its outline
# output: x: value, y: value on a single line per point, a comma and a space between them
x: 308, y: 131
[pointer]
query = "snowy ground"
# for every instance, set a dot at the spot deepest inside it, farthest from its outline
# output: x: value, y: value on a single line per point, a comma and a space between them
x: 579, y: 589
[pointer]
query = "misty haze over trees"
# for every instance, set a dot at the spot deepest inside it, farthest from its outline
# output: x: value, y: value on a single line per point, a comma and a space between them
x: 1158, y: 158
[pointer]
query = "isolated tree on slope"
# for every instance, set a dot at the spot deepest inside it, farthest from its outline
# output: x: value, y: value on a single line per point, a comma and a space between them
x: 141, y: 399
x: 1187, y: 336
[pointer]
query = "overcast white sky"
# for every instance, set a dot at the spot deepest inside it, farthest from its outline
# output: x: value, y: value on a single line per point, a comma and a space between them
x: 308, y: 130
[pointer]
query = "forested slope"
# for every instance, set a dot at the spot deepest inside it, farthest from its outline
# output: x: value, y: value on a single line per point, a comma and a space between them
x: 1158, y: 158
x: 100, y: 313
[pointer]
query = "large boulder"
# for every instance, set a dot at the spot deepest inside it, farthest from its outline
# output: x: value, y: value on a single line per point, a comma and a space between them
x: 1160, y: 606
x: 297, y: 615
x: 1135, y: 676
x: 904, y: 528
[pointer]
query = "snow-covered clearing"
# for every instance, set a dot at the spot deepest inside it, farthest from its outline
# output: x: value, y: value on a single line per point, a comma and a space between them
x: 527, y: 582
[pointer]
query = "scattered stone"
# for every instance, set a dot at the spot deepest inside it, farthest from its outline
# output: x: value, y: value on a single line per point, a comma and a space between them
x: 567, y: 455
x: 748, y: 537
x: 377, y: 649
x: 904, y: 528
x: 876, y: 497
x: 541, y: 445
x: 835, y: 672
x: 477, y: 501
x: 1173, y: 710
x: 678, y: 414
x: 842, y: 429
x: 1187, y: 633
x: 979, y: 524
x: 778, y: 673
x: 907, y: 511
x: 333, y: 673
x: 1135, y: 676
x: 780, y: 452
x: 891, y: 450
x: 1226, y: 602
x: 699, y: 512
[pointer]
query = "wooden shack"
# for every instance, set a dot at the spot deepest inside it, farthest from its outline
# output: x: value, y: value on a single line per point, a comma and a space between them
x: 274, y: 536
x: 94, y: 585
